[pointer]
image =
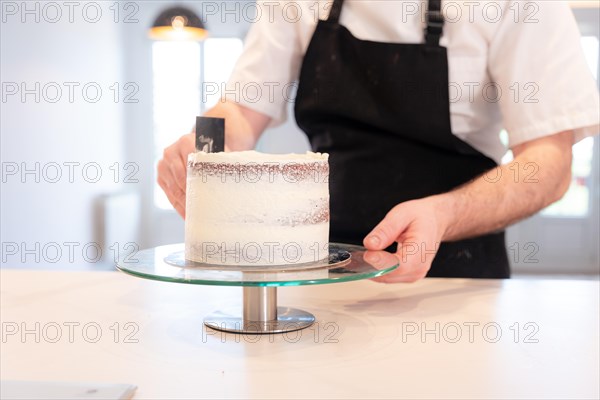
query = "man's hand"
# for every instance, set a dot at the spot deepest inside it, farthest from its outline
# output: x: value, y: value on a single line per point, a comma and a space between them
x: 418, y: 227
x: 172, y: 171
x: 243, y: 128
x: 476, y: 208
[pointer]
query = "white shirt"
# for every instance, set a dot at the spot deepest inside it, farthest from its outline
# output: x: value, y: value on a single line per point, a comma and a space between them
x: 512, y: 64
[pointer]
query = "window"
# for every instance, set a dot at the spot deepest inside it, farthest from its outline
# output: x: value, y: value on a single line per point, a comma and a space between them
x: 576, y: 202
x: 176, y: 98
x: 178, y: 68
x: 220, y: 56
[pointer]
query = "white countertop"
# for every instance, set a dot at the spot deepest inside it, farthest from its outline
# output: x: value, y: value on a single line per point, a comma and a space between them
x: 364, y: 344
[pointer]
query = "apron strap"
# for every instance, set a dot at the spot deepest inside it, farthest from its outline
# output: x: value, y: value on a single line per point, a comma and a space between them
x: 435, y: 19
x: 336, y: 11
x: 435, y: 23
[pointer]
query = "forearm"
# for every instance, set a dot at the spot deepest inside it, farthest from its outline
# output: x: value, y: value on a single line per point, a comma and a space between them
x: 243, y: 127
x: 539, y: 175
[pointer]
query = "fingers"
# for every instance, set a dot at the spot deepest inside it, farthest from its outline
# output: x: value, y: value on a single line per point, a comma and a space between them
x: 415, y: 255
x: 394, y: 278
x: 380, y: 259
x: 388, y: 230
x: 177, y: 202
x: 176, y: 157
x: 405, y: 273
x: 408, y: 271
x: 186, y: 145
x: 383, y: 260
x: 179, y: 176
x: 172, y: 171
x: 413, y: 226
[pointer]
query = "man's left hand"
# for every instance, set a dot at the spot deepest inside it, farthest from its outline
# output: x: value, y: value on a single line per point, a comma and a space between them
x: 478, y: 207
x: 418, y: 229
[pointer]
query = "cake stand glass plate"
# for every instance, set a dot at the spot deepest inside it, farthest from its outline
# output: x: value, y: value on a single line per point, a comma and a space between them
x: 260, y: 313
x: 346, y: 263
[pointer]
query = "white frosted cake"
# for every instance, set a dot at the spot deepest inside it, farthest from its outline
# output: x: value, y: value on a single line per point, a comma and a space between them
x: 250, y: 208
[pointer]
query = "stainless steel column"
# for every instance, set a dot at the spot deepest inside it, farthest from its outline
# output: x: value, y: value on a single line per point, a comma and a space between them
x: 260, y: 304
x: 260, y: 315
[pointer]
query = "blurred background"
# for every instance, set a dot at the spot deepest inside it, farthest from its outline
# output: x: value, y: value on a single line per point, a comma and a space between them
x: 89, y: 102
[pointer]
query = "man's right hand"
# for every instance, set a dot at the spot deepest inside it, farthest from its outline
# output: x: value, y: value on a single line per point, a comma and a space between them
x: 243, y: 128
x: 172, y: 171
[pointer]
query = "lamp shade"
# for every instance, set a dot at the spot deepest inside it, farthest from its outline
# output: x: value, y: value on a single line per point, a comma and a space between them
x: 178, y: 23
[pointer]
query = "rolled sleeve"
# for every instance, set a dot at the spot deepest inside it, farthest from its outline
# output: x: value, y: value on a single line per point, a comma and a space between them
x: 265, y: 76
x: 547, y: 87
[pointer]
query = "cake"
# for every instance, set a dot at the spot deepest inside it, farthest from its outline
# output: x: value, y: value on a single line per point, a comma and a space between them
x: 251, y: 208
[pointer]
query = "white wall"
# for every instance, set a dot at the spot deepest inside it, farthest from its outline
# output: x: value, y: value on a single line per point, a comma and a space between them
x: 33, y: 131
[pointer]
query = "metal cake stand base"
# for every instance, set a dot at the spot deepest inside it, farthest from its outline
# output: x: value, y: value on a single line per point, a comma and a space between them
x: 260, y: 314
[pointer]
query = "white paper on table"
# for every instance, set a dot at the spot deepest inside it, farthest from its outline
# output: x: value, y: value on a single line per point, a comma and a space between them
x: 65, y: 390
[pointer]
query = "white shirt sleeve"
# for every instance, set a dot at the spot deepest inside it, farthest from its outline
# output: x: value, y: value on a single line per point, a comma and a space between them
x: 536, y: 59
x: 265, y: 75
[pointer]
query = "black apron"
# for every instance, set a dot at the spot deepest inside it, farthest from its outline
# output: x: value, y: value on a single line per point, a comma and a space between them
x: 382, y: 112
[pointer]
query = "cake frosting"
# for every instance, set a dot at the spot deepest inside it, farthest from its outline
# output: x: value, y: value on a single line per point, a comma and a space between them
x: 251, y: 208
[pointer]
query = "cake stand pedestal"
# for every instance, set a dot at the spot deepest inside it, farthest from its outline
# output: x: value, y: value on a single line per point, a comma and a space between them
x: 260, y: 313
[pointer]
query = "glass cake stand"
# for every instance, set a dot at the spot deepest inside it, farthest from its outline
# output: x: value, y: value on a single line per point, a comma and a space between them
x: 260, y: 313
